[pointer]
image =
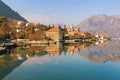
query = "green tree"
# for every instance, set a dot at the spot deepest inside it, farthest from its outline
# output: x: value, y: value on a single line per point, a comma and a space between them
x: 49, y: 27
x: 2, y: 19
x: 65, y: 29
x: 53, y: 26
x: 32, y: 29
x: 22, y: 36
x: 88, y: 35
x: 60, y: 27
x: 4, y: 30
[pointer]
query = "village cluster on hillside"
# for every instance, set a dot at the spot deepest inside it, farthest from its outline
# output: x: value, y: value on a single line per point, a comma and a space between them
x: 20, y: 30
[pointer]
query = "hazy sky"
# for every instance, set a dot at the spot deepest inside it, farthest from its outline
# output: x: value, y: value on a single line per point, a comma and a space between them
x: 63, y: 11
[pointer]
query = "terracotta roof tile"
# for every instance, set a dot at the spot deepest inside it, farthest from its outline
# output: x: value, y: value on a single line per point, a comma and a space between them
x: 53, y: 52
x: 54, y: 30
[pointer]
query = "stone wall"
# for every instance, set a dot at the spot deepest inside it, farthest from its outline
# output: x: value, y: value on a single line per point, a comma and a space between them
x: 56, y: 36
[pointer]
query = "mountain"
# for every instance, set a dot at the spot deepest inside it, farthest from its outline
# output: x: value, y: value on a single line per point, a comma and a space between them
x: 8, y: 12
x: 102, y: 24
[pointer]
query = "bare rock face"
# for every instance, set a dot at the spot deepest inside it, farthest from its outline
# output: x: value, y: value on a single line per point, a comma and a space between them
x: 8, y: 12
x: 102, y: 24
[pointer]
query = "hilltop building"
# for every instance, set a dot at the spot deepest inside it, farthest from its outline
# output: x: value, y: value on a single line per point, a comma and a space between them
x: 74, y: 32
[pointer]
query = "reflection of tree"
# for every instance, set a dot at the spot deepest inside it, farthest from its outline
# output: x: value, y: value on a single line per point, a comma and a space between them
x: 8, y: 64
x: 7, y: 60
x: 76, y: 47
x: 32, y: 51
x: 52, y: 49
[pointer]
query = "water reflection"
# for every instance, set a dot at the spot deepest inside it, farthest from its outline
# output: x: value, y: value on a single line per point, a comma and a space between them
x: 100, y: 52
x: 9, y: 62
x: 108, y: 51
x: 84, y: 49
x: 52, y: 49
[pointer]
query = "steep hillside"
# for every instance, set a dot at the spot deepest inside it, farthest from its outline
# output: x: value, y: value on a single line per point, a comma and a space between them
x: 8, y: 12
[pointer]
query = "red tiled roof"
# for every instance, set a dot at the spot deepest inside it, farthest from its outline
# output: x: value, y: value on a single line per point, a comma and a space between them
x: 54, y: 30
x: 80, y: 33
x: 80, y: 46
x: 53, y: 52
x: 36, y: 48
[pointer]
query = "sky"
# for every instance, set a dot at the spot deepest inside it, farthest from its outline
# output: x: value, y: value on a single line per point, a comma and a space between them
x: 63, y: 11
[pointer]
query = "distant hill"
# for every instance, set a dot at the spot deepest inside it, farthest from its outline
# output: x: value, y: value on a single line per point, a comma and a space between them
x: 107, y: 25
x: 8, y: 12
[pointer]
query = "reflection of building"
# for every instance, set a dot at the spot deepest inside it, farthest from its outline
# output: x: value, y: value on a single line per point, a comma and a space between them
x: 100, y: 42
x: 99, y: 36
x: 54, y: 49
x: 70, y: 48
x: 55, y: 34
x: 74, y: 48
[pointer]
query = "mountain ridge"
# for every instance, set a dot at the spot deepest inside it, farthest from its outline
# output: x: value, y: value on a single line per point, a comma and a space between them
x: 6, y: 11
x: 102, y: 24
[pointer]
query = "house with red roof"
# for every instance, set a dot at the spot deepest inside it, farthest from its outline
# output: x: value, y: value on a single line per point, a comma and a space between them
x: 55, y: 34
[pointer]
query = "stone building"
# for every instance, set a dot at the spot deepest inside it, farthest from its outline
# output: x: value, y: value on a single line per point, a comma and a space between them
x: 74, y: 32
x: 71, y: 31
x: 55, y: 34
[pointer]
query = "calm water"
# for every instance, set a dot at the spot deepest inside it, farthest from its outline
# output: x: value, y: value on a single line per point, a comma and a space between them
x: 63, y: 62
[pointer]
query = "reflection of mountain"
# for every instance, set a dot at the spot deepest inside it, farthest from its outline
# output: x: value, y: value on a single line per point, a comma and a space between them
x: 8, y: 64
x: 103, y: 53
